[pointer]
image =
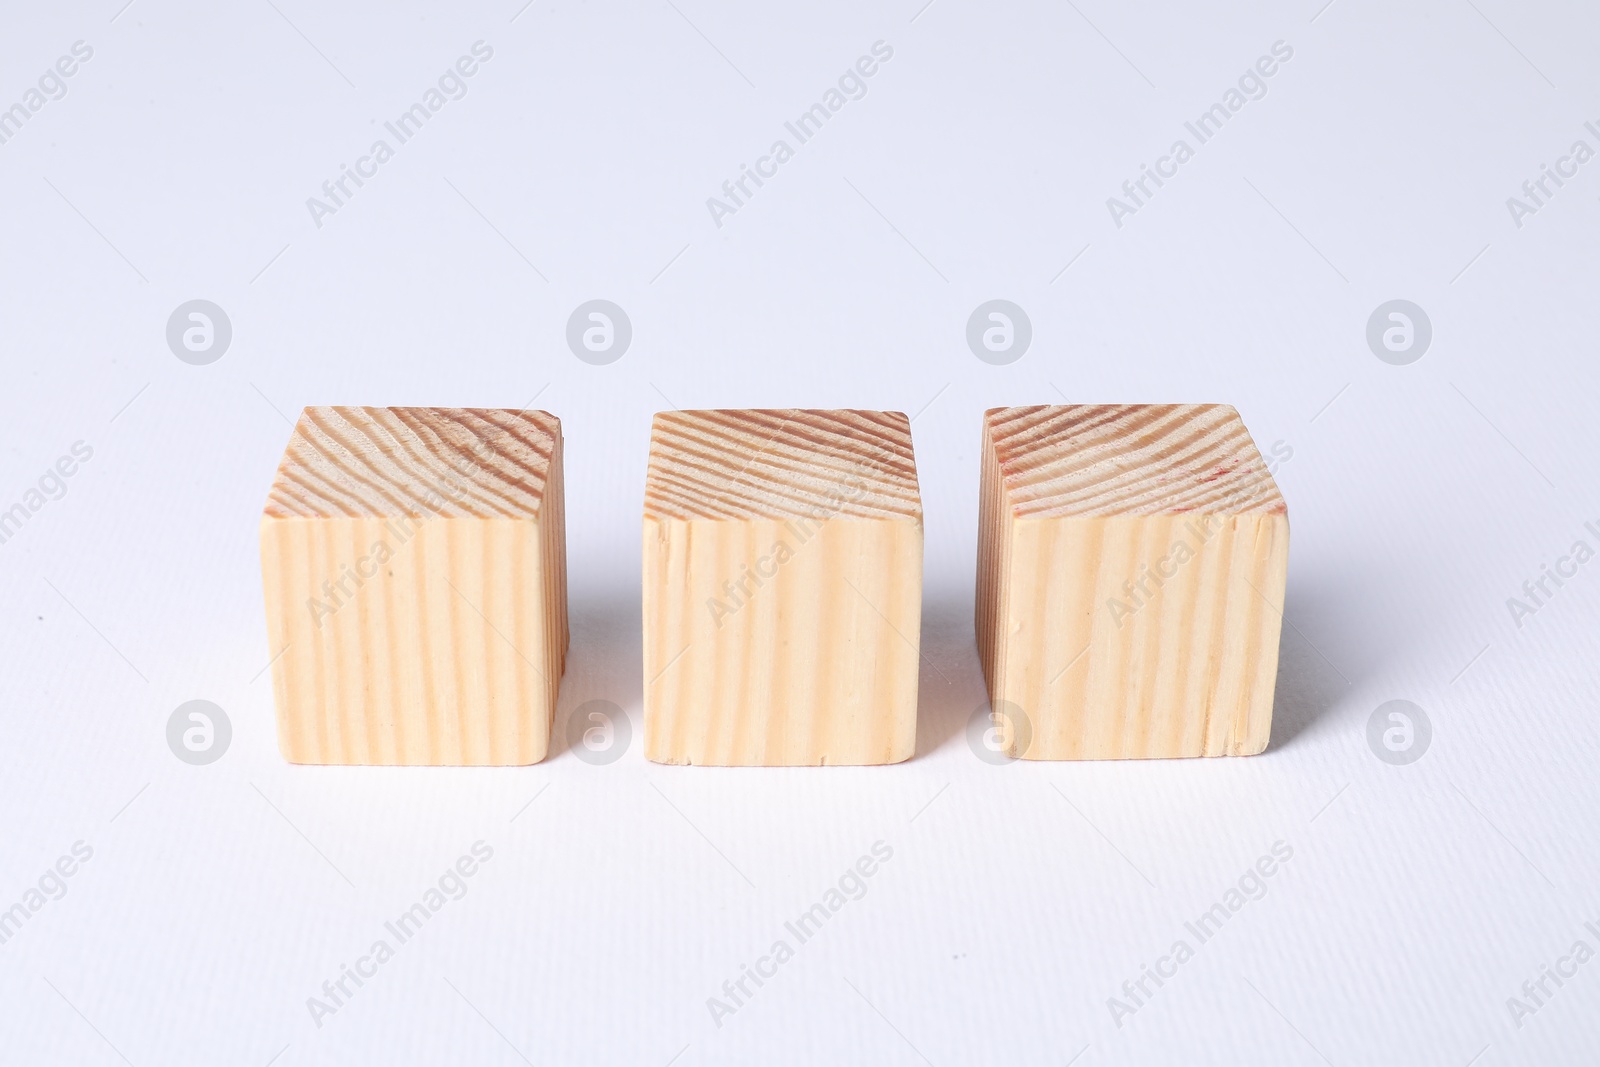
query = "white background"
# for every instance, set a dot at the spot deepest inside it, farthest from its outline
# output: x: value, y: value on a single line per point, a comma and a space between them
x: 1019, y: 898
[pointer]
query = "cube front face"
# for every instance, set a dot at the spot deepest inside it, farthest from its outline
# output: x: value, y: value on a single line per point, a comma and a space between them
x: 432, y: 630
x: 782, y: 589
x: 1132, y: 572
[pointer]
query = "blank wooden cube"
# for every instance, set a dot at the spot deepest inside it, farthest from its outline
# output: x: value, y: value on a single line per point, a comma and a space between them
x: 782, y: 588
x: 1131, y: 570
x: 414, y: 563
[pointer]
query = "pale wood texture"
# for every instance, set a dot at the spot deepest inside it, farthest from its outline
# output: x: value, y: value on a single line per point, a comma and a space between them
x: 782, y: 588
x: 1131, y: 571
x: 414, y: 564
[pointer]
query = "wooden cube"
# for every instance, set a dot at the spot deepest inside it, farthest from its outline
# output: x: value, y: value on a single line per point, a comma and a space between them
x: 1131, y: 570
x: 414, y: 563
x: 782, y: 588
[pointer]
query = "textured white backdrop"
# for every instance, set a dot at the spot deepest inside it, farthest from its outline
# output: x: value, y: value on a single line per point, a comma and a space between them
x: 1019, y: 898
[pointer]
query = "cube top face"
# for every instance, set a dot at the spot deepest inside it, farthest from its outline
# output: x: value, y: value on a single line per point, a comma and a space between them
x: 781, y: 464
x: 1107, y: 460
x: 362, y: 462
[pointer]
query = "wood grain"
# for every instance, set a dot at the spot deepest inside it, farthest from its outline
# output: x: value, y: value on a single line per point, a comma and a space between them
x: 1131, y: 572
x: 414, y: 567
x: 782, y: 588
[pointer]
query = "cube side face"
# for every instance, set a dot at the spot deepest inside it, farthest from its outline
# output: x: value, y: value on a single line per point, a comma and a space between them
x: 552, y: 533
x: 781, y: 643
x: 1136, y: 637
x: 990, y: 605
x: 410, y: 641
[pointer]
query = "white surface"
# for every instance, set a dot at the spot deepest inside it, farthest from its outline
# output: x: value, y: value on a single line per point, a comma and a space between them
x: 1019, y: 898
